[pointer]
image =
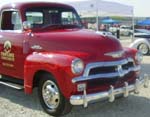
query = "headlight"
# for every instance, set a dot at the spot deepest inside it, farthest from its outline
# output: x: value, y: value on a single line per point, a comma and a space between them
x: 139, y: 57
x: 77, y: 66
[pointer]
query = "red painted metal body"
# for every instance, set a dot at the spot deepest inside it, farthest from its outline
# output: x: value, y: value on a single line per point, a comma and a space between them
x: 59, y: 48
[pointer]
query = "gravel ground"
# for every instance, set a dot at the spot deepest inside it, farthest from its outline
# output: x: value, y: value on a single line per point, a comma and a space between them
x: 17, y: 104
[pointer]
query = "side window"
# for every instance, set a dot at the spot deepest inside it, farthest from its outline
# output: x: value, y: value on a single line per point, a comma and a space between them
x: 11, y: 20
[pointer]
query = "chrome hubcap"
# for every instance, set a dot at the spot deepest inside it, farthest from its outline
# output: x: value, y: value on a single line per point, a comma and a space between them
x: 51, y: 94
x: 143, y: 48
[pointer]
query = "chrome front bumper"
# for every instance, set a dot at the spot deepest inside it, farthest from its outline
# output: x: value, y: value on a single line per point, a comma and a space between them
x: 111, y: 94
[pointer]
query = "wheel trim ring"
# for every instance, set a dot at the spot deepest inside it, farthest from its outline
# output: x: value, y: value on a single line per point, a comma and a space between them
x: 48, y: 103
x: 143, y: 48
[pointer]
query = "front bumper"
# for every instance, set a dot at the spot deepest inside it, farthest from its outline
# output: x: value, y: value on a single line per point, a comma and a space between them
x: 111, y: 94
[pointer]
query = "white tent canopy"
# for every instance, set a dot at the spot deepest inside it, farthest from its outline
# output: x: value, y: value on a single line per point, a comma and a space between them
x: 105, y: 8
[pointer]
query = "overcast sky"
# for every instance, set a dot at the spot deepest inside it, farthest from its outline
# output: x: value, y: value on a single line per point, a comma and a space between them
x: 141, y: 7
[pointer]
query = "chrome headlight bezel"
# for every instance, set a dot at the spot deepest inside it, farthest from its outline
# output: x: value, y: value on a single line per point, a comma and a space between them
x: 77, y: 66
x: 139, y: 57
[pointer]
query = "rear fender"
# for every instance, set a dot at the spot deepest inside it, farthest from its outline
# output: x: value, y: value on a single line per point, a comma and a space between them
x: 139, y: 41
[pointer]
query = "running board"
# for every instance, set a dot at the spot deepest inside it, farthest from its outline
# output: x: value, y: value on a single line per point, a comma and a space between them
x: 12, y: 85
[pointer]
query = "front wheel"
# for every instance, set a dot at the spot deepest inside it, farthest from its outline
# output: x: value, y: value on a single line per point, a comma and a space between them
x: 143, y: 48
x: 52, y: 101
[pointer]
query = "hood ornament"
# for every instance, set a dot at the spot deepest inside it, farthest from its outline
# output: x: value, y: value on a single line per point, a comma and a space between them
x: 117, y: 54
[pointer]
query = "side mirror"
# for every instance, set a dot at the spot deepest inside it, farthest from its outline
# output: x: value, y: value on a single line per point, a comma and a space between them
x: 27, y: 25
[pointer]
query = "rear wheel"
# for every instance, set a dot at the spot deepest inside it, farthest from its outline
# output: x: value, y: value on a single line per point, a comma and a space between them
x: 52, y: 101
x: 143, y: 48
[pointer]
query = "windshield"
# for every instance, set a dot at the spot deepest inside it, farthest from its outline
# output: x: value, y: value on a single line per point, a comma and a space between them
x: 47, y: 17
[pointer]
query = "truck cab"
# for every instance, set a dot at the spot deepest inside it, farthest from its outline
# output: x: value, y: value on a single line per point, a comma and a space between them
x: 44, y: 45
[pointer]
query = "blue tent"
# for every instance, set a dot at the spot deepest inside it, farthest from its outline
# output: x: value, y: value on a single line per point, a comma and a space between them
x: 144, y: 22
x: 109, y: 21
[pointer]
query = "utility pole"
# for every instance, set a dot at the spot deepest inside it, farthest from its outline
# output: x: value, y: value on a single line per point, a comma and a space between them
x: 133, y: 24
x: 97, y: 15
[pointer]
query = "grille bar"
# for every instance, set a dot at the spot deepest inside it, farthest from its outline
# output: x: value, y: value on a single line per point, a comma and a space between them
x: 120, y: 72
x: 105, y: 64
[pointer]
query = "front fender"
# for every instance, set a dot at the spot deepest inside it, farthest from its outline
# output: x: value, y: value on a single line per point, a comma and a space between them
x: 139, y: 41
x: 56, y: 64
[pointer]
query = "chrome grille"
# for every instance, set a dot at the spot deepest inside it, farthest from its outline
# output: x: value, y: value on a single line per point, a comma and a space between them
x: 108, y: 70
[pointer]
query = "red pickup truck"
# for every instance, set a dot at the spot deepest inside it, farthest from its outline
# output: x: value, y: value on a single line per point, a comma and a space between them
x: 44, y: 45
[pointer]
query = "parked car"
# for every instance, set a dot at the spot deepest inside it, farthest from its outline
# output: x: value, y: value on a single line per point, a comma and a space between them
x: 142, y: 44
x: 124, y: 30
x: 106, y: 33
x: 142, y: 33
x: 142, y: 41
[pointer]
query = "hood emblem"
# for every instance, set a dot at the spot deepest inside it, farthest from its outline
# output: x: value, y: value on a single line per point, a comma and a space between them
x: 117, y: 54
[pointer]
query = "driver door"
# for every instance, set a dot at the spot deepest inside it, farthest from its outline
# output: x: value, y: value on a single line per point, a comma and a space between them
x: 11, y: 44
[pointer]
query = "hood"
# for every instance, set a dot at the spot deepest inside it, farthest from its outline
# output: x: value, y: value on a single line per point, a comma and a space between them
x: 77, y: 42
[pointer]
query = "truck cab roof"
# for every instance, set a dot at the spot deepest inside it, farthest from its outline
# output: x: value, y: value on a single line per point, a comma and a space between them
x: 25, y: 5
